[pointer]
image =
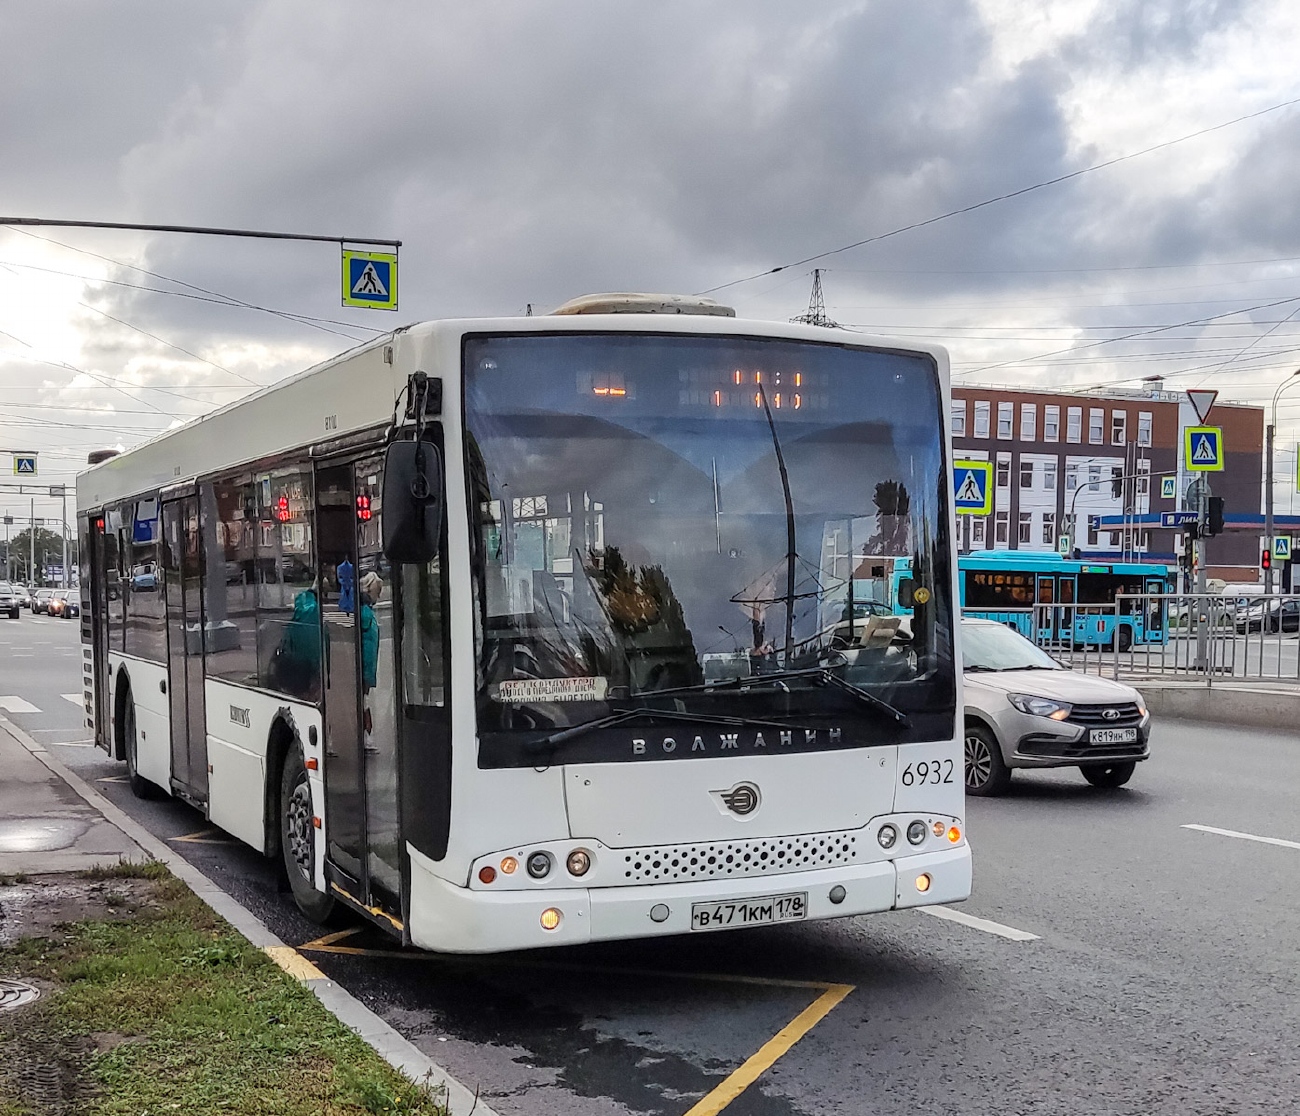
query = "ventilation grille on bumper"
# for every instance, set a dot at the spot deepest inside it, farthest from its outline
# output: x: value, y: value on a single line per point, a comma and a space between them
x: 757, y: 857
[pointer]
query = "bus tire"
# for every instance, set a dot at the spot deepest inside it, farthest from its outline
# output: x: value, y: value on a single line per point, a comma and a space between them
x: 298, y: 839
x: 1108, y: 775
x: 1124, y: 636
x: 986, y: 772
x: 140, y: 786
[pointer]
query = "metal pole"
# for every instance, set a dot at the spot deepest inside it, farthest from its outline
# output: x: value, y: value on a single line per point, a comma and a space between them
x: 65, y: 538
x: 1268, y: 498
x: 31, y: 542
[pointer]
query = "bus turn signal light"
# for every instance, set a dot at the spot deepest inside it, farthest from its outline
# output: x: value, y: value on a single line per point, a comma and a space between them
x: 923, y: 882
x: 954, y: 834
x: 508, y: 865
x: 550, y: 918
x: 487, y: 874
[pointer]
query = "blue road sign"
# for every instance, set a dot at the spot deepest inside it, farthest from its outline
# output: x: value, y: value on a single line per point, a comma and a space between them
x: 1203, y: 449
x: 24, y: 465
x: 1282, y: 548
x: 1178, y: 518
x: 370, y: 279
x: 972, y: 482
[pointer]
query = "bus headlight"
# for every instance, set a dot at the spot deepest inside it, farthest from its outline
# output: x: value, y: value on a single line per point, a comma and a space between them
x: 578, y: 862
x: 887, y: 835
x: 1040, y: 706
x: 916, y: 832
x: 539, y: 865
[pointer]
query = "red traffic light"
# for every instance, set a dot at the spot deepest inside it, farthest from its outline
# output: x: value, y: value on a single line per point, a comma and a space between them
x: 363, y: 508
x: 282, y: 509
x: 1265, y: 560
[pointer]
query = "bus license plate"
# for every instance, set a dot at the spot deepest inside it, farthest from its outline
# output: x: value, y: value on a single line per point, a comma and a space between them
x: 749, y: 912
x: 1113, y: 736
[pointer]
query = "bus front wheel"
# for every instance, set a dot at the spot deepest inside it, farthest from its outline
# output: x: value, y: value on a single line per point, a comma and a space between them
x: 1114, y: 775
x: 298, y: 839
x: 140, y: 786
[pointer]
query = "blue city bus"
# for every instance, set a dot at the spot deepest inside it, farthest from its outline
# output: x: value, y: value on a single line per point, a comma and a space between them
x: 1006, y: 585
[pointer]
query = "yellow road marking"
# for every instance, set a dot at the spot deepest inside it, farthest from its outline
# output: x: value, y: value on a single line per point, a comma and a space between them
x: 204, y: 837
x: 731, y: 1087
x: 113, y: 779
x: 742, y: 1078
x: 293, y: 963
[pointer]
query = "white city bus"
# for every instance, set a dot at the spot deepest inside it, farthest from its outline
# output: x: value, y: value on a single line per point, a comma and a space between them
x: 518, y: 632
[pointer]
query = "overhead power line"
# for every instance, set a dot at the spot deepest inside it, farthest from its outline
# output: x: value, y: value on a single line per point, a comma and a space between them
x: 1005, y: 197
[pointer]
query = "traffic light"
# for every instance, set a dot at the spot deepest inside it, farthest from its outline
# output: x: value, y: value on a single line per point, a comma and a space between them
x: 1266, y: 559
x: 1214, y: 516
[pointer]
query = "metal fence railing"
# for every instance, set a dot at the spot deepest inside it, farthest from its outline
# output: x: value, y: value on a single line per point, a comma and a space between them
x: 1188, y: 635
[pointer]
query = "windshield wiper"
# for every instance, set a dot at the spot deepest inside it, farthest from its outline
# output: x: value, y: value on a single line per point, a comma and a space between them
x: 562, y: 736
x: 823, y: 675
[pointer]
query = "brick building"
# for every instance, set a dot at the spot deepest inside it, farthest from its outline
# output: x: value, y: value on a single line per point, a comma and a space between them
x: 1061, y: 461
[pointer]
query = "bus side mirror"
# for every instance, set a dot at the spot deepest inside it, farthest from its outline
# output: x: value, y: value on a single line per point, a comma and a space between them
x: 412, y: 512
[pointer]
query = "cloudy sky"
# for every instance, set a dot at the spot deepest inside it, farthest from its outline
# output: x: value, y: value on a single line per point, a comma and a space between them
x: 526, y: 153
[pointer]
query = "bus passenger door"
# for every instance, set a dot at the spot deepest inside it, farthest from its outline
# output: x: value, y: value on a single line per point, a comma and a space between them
x: 1065, y: 598
x: 1045, y: 619
x: 182, y: 584
x: 99, y: 590
x: 1154, y: 612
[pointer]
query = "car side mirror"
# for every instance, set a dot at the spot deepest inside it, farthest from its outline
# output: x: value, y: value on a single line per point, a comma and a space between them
x: 412, y: 511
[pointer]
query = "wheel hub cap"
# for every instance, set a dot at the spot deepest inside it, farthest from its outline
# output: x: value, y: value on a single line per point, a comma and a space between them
x: 298, y: 829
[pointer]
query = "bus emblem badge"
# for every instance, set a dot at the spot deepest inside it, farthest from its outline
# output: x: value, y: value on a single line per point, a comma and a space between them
x: 742, y: 799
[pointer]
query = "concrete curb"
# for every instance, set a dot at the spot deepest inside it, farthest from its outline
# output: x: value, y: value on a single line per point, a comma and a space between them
x: 1221, y: 704
x: 397, y: 1051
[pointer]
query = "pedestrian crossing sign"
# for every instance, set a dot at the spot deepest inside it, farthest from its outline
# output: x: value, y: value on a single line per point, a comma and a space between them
x: 370, y: 279
x: 1282, y: 548
x: 973, y: 485
x: 1168, y: 488
x: 24, y: 465
x: 1203, y: 449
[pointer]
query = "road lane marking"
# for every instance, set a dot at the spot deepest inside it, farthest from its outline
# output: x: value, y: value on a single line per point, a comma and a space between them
x: 204, y: 837
x: 984, y: 924
x: 767, y: 1054
x: 17, y: 705
x: 1234, y: 833
x: 293, y: 962
x: 77, y: 699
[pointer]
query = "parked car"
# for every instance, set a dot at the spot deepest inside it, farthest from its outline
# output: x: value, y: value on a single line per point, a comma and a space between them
x: 10, y: 602
x: 1269, y: 616
x: 1025, y: 710
x: 41, y: 600
x: 64, y: 602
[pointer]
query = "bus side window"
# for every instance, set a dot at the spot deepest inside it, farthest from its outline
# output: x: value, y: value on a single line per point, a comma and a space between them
x: 906, y: 588
x: 423, y: 634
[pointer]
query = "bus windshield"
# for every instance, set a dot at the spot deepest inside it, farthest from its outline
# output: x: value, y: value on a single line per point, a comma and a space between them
x: 685, y: 514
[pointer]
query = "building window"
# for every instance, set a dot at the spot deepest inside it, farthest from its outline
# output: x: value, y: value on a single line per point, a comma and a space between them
x: 1092, y: 532
x: 1094, y: 478
x: 1049, y: 476
x: 977, y: 526
x: 1116, y: 482
x: 1096, y: 422
x: 1118, y: 427
x: 1004, y: 471
x: 981, y: 418
x: 1144, y: 478
x: 1074, y: 424
x: 1112, y: 538
x: 959, y: 418
x: 1026, y: 526
x: 1000, y: 521
x: 1049, y: 528
x: 1051, y: 423
x: 1026, y: 474
x: 1028, y: 422
x: 1005, y: 413
x: 1071, y: 478
x: 1144, y: 428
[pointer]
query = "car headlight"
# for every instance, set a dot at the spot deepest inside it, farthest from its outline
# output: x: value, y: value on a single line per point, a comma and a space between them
x: 1040, y: 706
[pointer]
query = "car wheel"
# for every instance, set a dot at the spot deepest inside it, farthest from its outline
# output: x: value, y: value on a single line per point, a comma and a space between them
x: 13, y: 615
x: 140, y: 786
x: 986, y: 771
x: 298, y: 840
x: 1111, y: 776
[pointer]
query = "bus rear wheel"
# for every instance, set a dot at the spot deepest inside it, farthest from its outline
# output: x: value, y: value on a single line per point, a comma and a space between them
x: 1110, y: 776
x: 298, y: 839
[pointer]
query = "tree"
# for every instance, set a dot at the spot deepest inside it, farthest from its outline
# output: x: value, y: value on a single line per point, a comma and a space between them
x: 49, y: 552
x: 892, y: 507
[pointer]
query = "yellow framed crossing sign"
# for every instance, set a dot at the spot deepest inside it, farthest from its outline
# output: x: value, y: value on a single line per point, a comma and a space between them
x: 1203, y: 449
x: 972, y: 483
x: 370, y: 280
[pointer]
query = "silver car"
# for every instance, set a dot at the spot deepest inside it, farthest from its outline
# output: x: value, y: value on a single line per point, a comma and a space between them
x: 1023, y: 709
x: 9, y: 602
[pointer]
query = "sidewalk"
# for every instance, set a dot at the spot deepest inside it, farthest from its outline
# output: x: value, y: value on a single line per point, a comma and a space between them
x: 45, y: 826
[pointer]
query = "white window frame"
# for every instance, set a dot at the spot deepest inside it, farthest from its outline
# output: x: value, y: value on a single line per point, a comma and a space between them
x: 1049, y: 528
x: 1029, y: 422
x: 1006, y: 421
x: 981, y: 418
x: 1002, y: 471
x: 1074, y: 424
x: 978, y: 528
x: 1001, y: 527
x: 1026, y: 474
x: 1025, y: 528
x: 1094, y: 478
x: 1118, y: 428
x: 1071, y: 476
x: 958, y: 418
x: 1049, y: 476
x: 1144, y: 428
x: 1096, y: 426
x: 1051, y: 423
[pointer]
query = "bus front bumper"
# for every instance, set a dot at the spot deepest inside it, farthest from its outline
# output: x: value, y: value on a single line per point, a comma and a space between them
x: 452, y: 919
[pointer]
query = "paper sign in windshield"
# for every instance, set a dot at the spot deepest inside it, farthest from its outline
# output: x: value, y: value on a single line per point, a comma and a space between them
x: 552, y: 689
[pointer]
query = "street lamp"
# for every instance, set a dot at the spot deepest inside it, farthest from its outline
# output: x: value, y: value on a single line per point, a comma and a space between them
x: 1268, y: 476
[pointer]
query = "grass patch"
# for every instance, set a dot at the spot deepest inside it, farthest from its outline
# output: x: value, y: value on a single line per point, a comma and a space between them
x: 127, y: 870
x: 164, y: 1008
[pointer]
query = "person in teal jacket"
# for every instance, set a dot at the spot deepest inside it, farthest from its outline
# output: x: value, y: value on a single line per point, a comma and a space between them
x: 372, y: 588
x: 299, y: 656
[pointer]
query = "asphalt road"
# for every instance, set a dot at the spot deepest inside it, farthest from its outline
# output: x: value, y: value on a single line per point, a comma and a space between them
x: 1163, y: 978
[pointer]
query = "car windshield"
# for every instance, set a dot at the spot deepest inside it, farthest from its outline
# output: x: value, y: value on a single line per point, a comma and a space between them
x: 996, y: 647
x: 670, y: 512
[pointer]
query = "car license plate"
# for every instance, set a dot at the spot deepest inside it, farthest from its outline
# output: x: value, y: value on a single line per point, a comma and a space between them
x: 749, y: 912
x: 1113, y: 736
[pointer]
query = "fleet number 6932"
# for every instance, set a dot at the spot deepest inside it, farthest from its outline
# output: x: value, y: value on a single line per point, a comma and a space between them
x: 927, y: 771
